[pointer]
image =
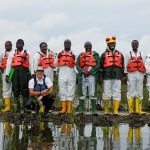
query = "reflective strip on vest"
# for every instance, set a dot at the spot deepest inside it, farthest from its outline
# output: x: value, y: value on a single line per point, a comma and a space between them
x: 87, y: 59
x: 66, y: 59
x: 112, y: 59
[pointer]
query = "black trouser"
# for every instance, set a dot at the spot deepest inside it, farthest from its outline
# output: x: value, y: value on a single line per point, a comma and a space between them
x: 47, y: 102
x: 20, y: 81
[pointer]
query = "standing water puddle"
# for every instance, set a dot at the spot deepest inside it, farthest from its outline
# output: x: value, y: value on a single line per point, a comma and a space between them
x: 49, y: 136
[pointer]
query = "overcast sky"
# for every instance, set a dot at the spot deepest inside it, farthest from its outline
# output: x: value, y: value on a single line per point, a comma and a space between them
x: 53, y: 21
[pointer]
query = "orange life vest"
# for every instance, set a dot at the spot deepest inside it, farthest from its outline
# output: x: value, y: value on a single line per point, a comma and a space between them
x: 4, y: 61
x: 87, y: 59
x: 47, y: 60
x: 20, y: 59
x: 66, y: 59
x: 113, y: 59
x: 136, y: 64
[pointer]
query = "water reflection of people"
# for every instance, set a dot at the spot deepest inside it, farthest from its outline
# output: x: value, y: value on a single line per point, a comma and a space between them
x: 8, y: 130
x: 111, y: 137
x: 134, y: 138
x: 67, y: 139
x: 87, y: 137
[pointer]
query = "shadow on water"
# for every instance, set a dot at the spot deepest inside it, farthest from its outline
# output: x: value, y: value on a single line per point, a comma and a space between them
x: 49, y: 136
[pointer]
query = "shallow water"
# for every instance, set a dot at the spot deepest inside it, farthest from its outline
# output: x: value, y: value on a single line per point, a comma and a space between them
x: 49, y: 136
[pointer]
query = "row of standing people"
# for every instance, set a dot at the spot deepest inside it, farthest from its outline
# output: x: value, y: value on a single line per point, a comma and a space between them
x: 110, y: 68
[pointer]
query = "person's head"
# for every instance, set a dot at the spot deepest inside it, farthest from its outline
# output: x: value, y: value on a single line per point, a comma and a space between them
x: 20, y: 44
x: 111, y: 42
x: 43, y: 47
x: 88, y: 46
x: 8, y: 46
x: 135, y: 45
x: 67, y: 44
x: 39, y: 72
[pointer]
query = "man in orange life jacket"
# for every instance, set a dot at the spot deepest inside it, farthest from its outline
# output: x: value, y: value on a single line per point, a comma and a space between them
x: 111, y: 72
x: 67, y: 77
x: 88, y: 70
x: 135, y: 75
x: 7, y: 89
x: 21, y: 61
x: 46, y: 60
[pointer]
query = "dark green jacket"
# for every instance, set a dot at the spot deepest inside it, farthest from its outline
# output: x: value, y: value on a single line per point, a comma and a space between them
x: 112, y: 72
x: 94, y: 72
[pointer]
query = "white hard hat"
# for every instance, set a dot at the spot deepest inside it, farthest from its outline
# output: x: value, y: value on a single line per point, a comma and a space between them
x: 39, y: 68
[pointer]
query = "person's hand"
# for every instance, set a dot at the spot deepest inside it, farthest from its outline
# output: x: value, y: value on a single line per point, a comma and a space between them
x: 145, y: 80
x: 7, y: 79
x: 44, y: 92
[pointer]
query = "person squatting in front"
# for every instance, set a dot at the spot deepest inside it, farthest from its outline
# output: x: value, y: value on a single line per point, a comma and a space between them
x: 19, y: 64
x: 88, y: 70
x: 135, y: 75
x: 41, y: 87
x: 66, y: 77
x: 111, y: 73
x: 7, y: 88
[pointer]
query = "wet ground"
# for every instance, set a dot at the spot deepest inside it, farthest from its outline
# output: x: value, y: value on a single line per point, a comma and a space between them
x: 74, y: 132
x: 50, y: 136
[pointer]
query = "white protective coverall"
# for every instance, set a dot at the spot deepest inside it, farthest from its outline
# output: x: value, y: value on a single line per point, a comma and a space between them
x: 147, y: 65
x: 135, y: 79
x: 7, y: 90
x: 67, y: 83
x: 49, y: 72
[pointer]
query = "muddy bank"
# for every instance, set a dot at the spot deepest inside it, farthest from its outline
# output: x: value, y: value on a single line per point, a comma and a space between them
x: 133, y: 120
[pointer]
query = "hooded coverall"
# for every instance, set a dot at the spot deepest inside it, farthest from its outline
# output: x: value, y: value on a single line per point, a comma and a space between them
x: 7, y: 88
x: 135, y: 83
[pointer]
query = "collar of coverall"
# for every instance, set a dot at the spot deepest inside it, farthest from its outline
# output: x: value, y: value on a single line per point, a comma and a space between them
x: 111, y: 50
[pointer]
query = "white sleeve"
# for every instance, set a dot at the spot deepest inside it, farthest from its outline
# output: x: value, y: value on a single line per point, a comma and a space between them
x: 30, y: 64
x: 126, y: 61
x: 48, y: 82
x: 31, y: 84
x: 36, y: 60
x: 9, y: 62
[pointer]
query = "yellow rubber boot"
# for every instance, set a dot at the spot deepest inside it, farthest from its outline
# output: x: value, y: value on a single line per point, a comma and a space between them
x: 7, y: 128
x: 41, y: 110
x: 140, y: 108
x: 42, y: 128
x: 63, y: 129
x: 138, y: 134
x: 69, y: 127
x: 7, y: 105
x: 115, y: 106
x: 130, y: 105
x: 116, y: 133
x: 69, y: 106
x: 63, y: 106
x: 130, y: 135
x: 106, y: 107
